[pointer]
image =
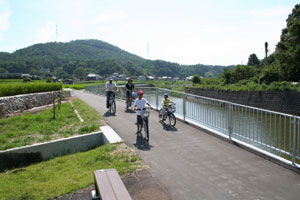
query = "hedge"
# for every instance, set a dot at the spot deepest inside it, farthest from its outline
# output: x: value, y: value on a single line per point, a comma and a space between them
x: 26, y: 88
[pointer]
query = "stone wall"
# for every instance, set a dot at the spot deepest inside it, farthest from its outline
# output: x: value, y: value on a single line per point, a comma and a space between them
x: 19, y: 103
x: 280, y: 101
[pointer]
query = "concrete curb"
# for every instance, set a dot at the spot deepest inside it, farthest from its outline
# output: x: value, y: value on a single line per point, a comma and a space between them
x: 60, y: 147
x: 110, y: 136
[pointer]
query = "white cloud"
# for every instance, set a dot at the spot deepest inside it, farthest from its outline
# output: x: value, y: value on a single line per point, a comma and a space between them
x: 5, y: 13
x: 272, y: 12
x: 4, y: 20
x: 46, y: 33
x: 114, y: 15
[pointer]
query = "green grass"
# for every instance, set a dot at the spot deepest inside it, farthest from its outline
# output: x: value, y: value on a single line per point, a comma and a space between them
x: 81, y: 84
x: 245, y: 85
x: 5, y: 81
x: 32, y: 128
x: 10, y: 89
x: 65, y: 174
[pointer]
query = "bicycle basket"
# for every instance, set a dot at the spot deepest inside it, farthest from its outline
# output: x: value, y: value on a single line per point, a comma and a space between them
x: 145, y: 113
x: 112, y: 97
x: 172, y: 108
x: 134, y: 95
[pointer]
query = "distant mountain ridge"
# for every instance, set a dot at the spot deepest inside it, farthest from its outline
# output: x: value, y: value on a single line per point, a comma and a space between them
x: 94, y: 56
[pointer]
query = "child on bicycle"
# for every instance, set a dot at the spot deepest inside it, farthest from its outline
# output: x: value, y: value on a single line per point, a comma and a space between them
x: 139, y: 104
x: 129, y: 89
x: 166, y: 102
x: 110, y: 87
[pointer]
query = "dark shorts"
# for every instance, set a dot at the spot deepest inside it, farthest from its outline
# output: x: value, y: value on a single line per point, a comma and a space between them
x: 138, y: 119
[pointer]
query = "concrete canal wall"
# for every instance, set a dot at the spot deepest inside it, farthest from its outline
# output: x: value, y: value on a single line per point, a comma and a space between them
x: 18, y: 103
x: 280, y: 101
x: 25, y: 155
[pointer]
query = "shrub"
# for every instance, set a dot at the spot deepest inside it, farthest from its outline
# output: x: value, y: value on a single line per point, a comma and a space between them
x: 196, y: 79
x: 26, y: 88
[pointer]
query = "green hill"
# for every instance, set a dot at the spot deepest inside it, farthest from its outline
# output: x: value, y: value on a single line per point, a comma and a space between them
x: 94, y: 56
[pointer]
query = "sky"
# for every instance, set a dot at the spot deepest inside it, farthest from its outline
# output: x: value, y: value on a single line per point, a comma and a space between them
x: 211, y: 32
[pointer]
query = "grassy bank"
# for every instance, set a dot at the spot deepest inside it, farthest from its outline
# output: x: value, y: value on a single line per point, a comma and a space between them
x: 11, y: 89
x: 81, y: 84
x: 31, y: 128
x: 247, y: 86
x: 65, y: 174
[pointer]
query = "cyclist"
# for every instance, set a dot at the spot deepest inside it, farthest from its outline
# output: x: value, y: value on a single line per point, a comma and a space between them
x: 166, y: 102
x: 129, y: 88
x: 139, y: 104
x: 110, y: 87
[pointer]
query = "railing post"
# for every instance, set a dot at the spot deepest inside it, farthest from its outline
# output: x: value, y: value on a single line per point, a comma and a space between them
x: 294, y: 140
x: 156, y: 98
x: 230, y: 122
x: 184, y: 106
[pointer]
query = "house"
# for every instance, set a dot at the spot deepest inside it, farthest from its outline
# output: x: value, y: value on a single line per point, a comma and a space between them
x: 189, y: 78
x: 150, y: 78
x: 141, y: 78
x: 121, y: 77
x: 92, y: 76
x: 10, y: 75
x: 68, y: 81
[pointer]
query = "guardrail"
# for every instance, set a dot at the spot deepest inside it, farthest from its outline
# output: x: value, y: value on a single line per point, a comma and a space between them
x: 264, y: 130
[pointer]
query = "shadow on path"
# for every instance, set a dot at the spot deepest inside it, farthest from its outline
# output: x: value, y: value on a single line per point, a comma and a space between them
x: 141, y: 143
x: 167, y: 127
x: 129, y: 111
x: 109, y: 114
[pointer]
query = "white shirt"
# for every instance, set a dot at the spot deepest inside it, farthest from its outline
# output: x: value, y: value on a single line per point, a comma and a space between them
x: 140, y: 103
x: 110, y: 87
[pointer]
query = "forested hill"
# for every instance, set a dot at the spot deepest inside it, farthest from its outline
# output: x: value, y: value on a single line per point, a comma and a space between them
x: 65, y: 59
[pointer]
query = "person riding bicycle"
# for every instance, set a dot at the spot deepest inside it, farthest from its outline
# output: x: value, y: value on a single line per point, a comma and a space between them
x: 166, y: 102
x: 139, y: 104
x: 110, y: 88
x: 129, y: 88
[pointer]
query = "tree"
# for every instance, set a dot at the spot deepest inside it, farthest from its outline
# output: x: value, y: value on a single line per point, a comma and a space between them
x: 196, y: 79
x: 269, y: 75
x: 226, y: 76
x: 240, y: 72
x: 79, y: 72
x: 209, y: 74
x: 60, y: 73
x: 3, y: 70
x: 253, y: 60
x: 288, y: 49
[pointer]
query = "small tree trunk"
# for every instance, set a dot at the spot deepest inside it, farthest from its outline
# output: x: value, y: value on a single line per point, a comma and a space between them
x: 54, y: 109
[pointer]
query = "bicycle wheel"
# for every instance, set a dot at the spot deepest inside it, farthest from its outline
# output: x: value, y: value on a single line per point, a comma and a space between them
x: 172, y: 120
x: 109, y: 106
x: 146, y: 129
x: 129, y: 103
x: 113, y: 107
x: 139, y: 128
x: 160, y: 115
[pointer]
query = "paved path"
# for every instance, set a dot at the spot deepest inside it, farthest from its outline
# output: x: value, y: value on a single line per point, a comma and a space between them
x: 193, y: 165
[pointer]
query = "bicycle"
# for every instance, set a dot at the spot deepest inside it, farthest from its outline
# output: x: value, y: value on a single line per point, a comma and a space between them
x: 112, y: 103
x: 129, y: 99
x: 169, y: 113
x: 145, y: 113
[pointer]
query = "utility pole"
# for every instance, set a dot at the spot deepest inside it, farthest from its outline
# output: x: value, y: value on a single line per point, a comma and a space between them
x: 266, y: 53
x: 148, y: 50
x: 56, y: 33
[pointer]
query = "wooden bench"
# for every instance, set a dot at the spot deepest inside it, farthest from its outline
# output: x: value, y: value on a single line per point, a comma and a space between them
x: 109, y: 186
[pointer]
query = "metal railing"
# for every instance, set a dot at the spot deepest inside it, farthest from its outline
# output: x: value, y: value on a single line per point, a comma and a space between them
x: 273, y: 132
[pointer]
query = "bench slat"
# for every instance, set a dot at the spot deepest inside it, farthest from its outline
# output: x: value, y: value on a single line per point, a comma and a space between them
x: 110, y: 186
x: 119, y: 187
x: 103, y: 186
